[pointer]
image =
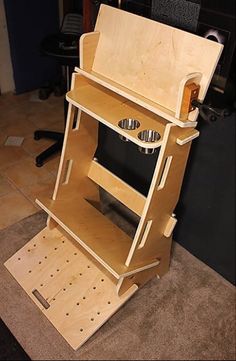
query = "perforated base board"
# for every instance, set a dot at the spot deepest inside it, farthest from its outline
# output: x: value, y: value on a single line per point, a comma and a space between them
x: 71, y: 291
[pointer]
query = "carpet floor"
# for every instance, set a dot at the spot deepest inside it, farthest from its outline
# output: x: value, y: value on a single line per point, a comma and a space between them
x: 187, y: 315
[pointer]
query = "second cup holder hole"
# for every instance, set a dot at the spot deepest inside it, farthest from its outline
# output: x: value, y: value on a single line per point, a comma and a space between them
x: 149, y: 136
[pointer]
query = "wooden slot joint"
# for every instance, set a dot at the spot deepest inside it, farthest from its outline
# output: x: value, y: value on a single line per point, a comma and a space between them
x: 170, y: 226
x: 191, y: 92
x: 145, y: 234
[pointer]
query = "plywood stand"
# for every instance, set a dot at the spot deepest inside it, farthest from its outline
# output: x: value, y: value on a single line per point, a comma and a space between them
x: 138, y: 78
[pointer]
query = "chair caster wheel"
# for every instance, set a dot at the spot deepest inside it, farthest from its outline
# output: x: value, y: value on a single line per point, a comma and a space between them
x: 39, y: 164
x: 36, y: 137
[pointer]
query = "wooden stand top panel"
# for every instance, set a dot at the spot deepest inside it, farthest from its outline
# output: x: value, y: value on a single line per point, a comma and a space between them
x: 151, y: 58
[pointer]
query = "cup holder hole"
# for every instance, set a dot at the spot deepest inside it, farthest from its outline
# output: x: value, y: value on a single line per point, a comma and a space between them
x: 129, y: 124
x: 149, y: 136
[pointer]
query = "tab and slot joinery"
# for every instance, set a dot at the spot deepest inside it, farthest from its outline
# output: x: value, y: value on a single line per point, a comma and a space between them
x: 137, y: 77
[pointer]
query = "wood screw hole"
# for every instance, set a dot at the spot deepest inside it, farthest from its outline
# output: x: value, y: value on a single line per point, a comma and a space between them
x: 67, y: 314
x: 92, y: 319
x: 28, y: 250
x: 19, y: 259
x: 34, y: 245
x: 64, y: 289
x: 43, y: 236
x: 40, y: 262
x: 77, y: 303
x: 81, y: 330
x: 94, y: 288
x: 63, y: 241
x: 51, y: 275
x: 98, y: 313
x: 54, y: 299
x: 70, y: 284
x: 102, y: 280
x: 75, y: 254
x: 109, y: 302
x: 67, y: 261
x: 81, y: 274
x: 45, y: 257
x: 30, y: 271
x: 41, y: 285
x: 84, y: 298
x: 58, y: 270
x: 88, y: 266
x: 55, y: 248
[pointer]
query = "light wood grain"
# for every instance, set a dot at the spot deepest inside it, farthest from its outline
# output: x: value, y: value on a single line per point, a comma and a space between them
x: 117, y: 188
x: 80, y: 296
x: 146, y: 103
x: 98, y: 102
x: 161, y: 201
x: 154, y: 58
x: 88, y: 46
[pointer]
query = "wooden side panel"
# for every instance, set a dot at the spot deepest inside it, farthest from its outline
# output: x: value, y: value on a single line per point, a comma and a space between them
x: 79, y: 147
x: 161, y: 201
x: 88, y: 46
x: 151, y: 58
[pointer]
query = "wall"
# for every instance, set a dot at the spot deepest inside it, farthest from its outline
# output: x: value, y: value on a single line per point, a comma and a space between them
x: 6, y: 73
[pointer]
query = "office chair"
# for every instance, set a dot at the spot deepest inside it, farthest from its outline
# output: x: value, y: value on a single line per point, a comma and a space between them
x: 64, y: 46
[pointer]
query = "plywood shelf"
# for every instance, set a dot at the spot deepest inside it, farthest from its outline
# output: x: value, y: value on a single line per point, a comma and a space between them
x: 152, y: 106
x: 106, y: 242
x: 109, y: 108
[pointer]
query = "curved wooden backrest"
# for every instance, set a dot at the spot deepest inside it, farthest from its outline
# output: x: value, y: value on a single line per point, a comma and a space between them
x: 151, y: 58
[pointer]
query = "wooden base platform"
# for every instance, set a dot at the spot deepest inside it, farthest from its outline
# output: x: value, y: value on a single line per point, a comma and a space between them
x: 75, y: 295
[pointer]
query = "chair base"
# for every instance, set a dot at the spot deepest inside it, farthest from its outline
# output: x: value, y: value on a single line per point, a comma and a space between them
x: 54, y: 148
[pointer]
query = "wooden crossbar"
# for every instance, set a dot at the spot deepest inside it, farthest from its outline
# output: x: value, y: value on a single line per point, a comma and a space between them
x: 117, y: 188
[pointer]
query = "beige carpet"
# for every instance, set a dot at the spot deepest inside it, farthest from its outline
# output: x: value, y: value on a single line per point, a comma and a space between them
x: 187, y: 315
